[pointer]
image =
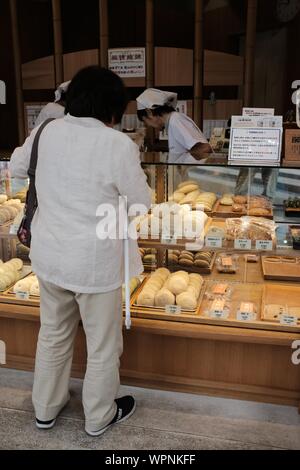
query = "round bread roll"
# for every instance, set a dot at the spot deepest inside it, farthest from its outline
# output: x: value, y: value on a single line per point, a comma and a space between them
x: 188, y: 187
x: 201, y: 263
x: 3, y: 198
x: 186, y: 262
x: 196, y: 277
x: 12, y: 276
x: 186, y: 300
x: 164, y: 297
x: 12, y: 211
x: 35, y: 288
x: 172, y: 258
x: 203, y: 256
x: 178, y: 196
x: 22, y: 286
x: 186, y: 256
x: 13, y: 201
x: 146, y: 298
x: 183, y: 274
x: 149, y: 259
x: 154, y: 284
x: 193, y: 290
x: 189, y: 253
x: 17, y: 263
x: 163, y: 271
x: 177, y: 284
x: 3, y: 283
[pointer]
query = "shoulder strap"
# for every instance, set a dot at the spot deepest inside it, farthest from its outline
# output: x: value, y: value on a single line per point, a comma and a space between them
x: 34, y: 151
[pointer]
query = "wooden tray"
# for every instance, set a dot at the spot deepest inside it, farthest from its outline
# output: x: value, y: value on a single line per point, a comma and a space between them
x: 281, y: 270
x: 278, y: 294
x: 193, y: 269
x: 159, y: 310
x: 226, y: 212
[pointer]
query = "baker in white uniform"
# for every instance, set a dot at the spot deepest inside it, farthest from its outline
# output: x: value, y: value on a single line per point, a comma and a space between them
x: 157, y: 109
x: 54, y: 110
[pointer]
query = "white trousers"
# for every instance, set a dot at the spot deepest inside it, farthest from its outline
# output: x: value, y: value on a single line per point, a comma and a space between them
x: 101, y: 316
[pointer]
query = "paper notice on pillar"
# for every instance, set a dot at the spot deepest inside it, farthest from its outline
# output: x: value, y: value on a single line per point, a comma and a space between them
x: 127, y: 63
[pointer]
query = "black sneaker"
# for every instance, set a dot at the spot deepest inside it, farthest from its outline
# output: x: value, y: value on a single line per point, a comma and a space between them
x: 125, y: 408
x: 45, y: 424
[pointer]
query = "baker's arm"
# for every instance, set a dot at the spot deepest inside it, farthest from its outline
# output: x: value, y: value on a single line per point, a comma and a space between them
x: 200, y: 150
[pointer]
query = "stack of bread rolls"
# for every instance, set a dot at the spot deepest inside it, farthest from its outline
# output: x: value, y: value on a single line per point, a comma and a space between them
x: 10, y: 272
x: 29, y: 285
x: 164, y: 288
x: 200, y: 259
x: 9, y: 209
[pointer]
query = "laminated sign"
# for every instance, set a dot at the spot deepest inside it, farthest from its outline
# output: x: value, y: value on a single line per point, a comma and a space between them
x: 127, y: 63
x: 255, y: 140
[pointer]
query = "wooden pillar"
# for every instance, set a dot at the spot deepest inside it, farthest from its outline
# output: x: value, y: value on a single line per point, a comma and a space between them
x: 58, y: 43
x: 150, y: 133
x: 150, y: 43
x: 250, y: 53
x: 199, y: 63
x: 18, y: 70
x: 104, y: 33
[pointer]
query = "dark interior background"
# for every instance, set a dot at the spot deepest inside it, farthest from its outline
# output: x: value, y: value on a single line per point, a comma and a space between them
x: 277, y: 61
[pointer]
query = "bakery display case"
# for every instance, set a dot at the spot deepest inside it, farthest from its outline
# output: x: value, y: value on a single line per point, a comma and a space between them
x: 217, y: 310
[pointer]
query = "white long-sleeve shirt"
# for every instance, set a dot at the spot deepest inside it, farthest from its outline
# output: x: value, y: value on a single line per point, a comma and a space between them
x: 50, y: 111
x: 81, y: 165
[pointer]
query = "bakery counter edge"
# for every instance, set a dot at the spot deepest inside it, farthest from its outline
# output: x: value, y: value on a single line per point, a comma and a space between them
x: 22, y: 313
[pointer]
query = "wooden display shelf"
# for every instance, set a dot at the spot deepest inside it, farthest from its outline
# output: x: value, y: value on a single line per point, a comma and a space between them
x: 241, y: 363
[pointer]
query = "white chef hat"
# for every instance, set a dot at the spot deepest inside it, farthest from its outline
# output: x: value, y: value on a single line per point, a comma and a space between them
x: 151, y: 98
x: 63, y: 88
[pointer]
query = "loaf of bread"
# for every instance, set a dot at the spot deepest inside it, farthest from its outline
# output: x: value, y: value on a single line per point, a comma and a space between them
x: 164, y: 297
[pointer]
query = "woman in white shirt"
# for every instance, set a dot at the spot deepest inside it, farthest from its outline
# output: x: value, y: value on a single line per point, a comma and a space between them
x: 157, y: 109
x: 84, y: 166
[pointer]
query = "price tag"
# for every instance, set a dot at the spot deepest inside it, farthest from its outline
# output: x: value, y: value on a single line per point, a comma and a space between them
x: 22, y: 295
x: 289, y: 320
x: 213, y: 242
x: 246, y: 316
x: 242, y: 244
x: 13, y: 229
x: 264, y: 245
x: 219, y: 314
x: 173, y: 309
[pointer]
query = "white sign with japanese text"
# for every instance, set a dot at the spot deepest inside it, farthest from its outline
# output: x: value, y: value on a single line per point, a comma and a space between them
x: 127, y: 63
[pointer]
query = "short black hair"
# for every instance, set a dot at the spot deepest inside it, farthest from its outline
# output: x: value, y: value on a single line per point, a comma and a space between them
x: 98, y: 93
x: 157, y: 111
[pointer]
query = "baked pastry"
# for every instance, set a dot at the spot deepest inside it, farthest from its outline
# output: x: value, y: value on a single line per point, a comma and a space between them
x: 3, y: 198
x: 178, y: 283
x: 200, y: 263
x: 238, y: 208
x: 259, y: 212
x: 226, y: 264
x: 163, y: 271
x: 178, y: 196
x: 164, y: 297
x: 172, y: 258
x: 188, y: 187
x: 186, y: 262
x: 274, y: 310
x: 251, y: 228
x: 146, y: 298
x: 187, y: 301
x: 35, y: 289
x: 227, y: 200
x: 220, y: 289
x: 191, y: 197
x: 240, y: 199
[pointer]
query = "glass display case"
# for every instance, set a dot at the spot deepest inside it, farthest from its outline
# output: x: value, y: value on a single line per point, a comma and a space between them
x: 228, y: 237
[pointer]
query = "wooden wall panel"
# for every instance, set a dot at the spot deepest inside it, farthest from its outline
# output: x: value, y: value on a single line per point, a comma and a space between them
x: 39, y: 74
x: 75, y: 61
x: 222, y: 69
x: 173, y: 67
x: 223, y: 109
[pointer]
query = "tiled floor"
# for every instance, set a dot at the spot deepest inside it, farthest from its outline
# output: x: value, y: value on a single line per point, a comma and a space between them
x: 163, y: 421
